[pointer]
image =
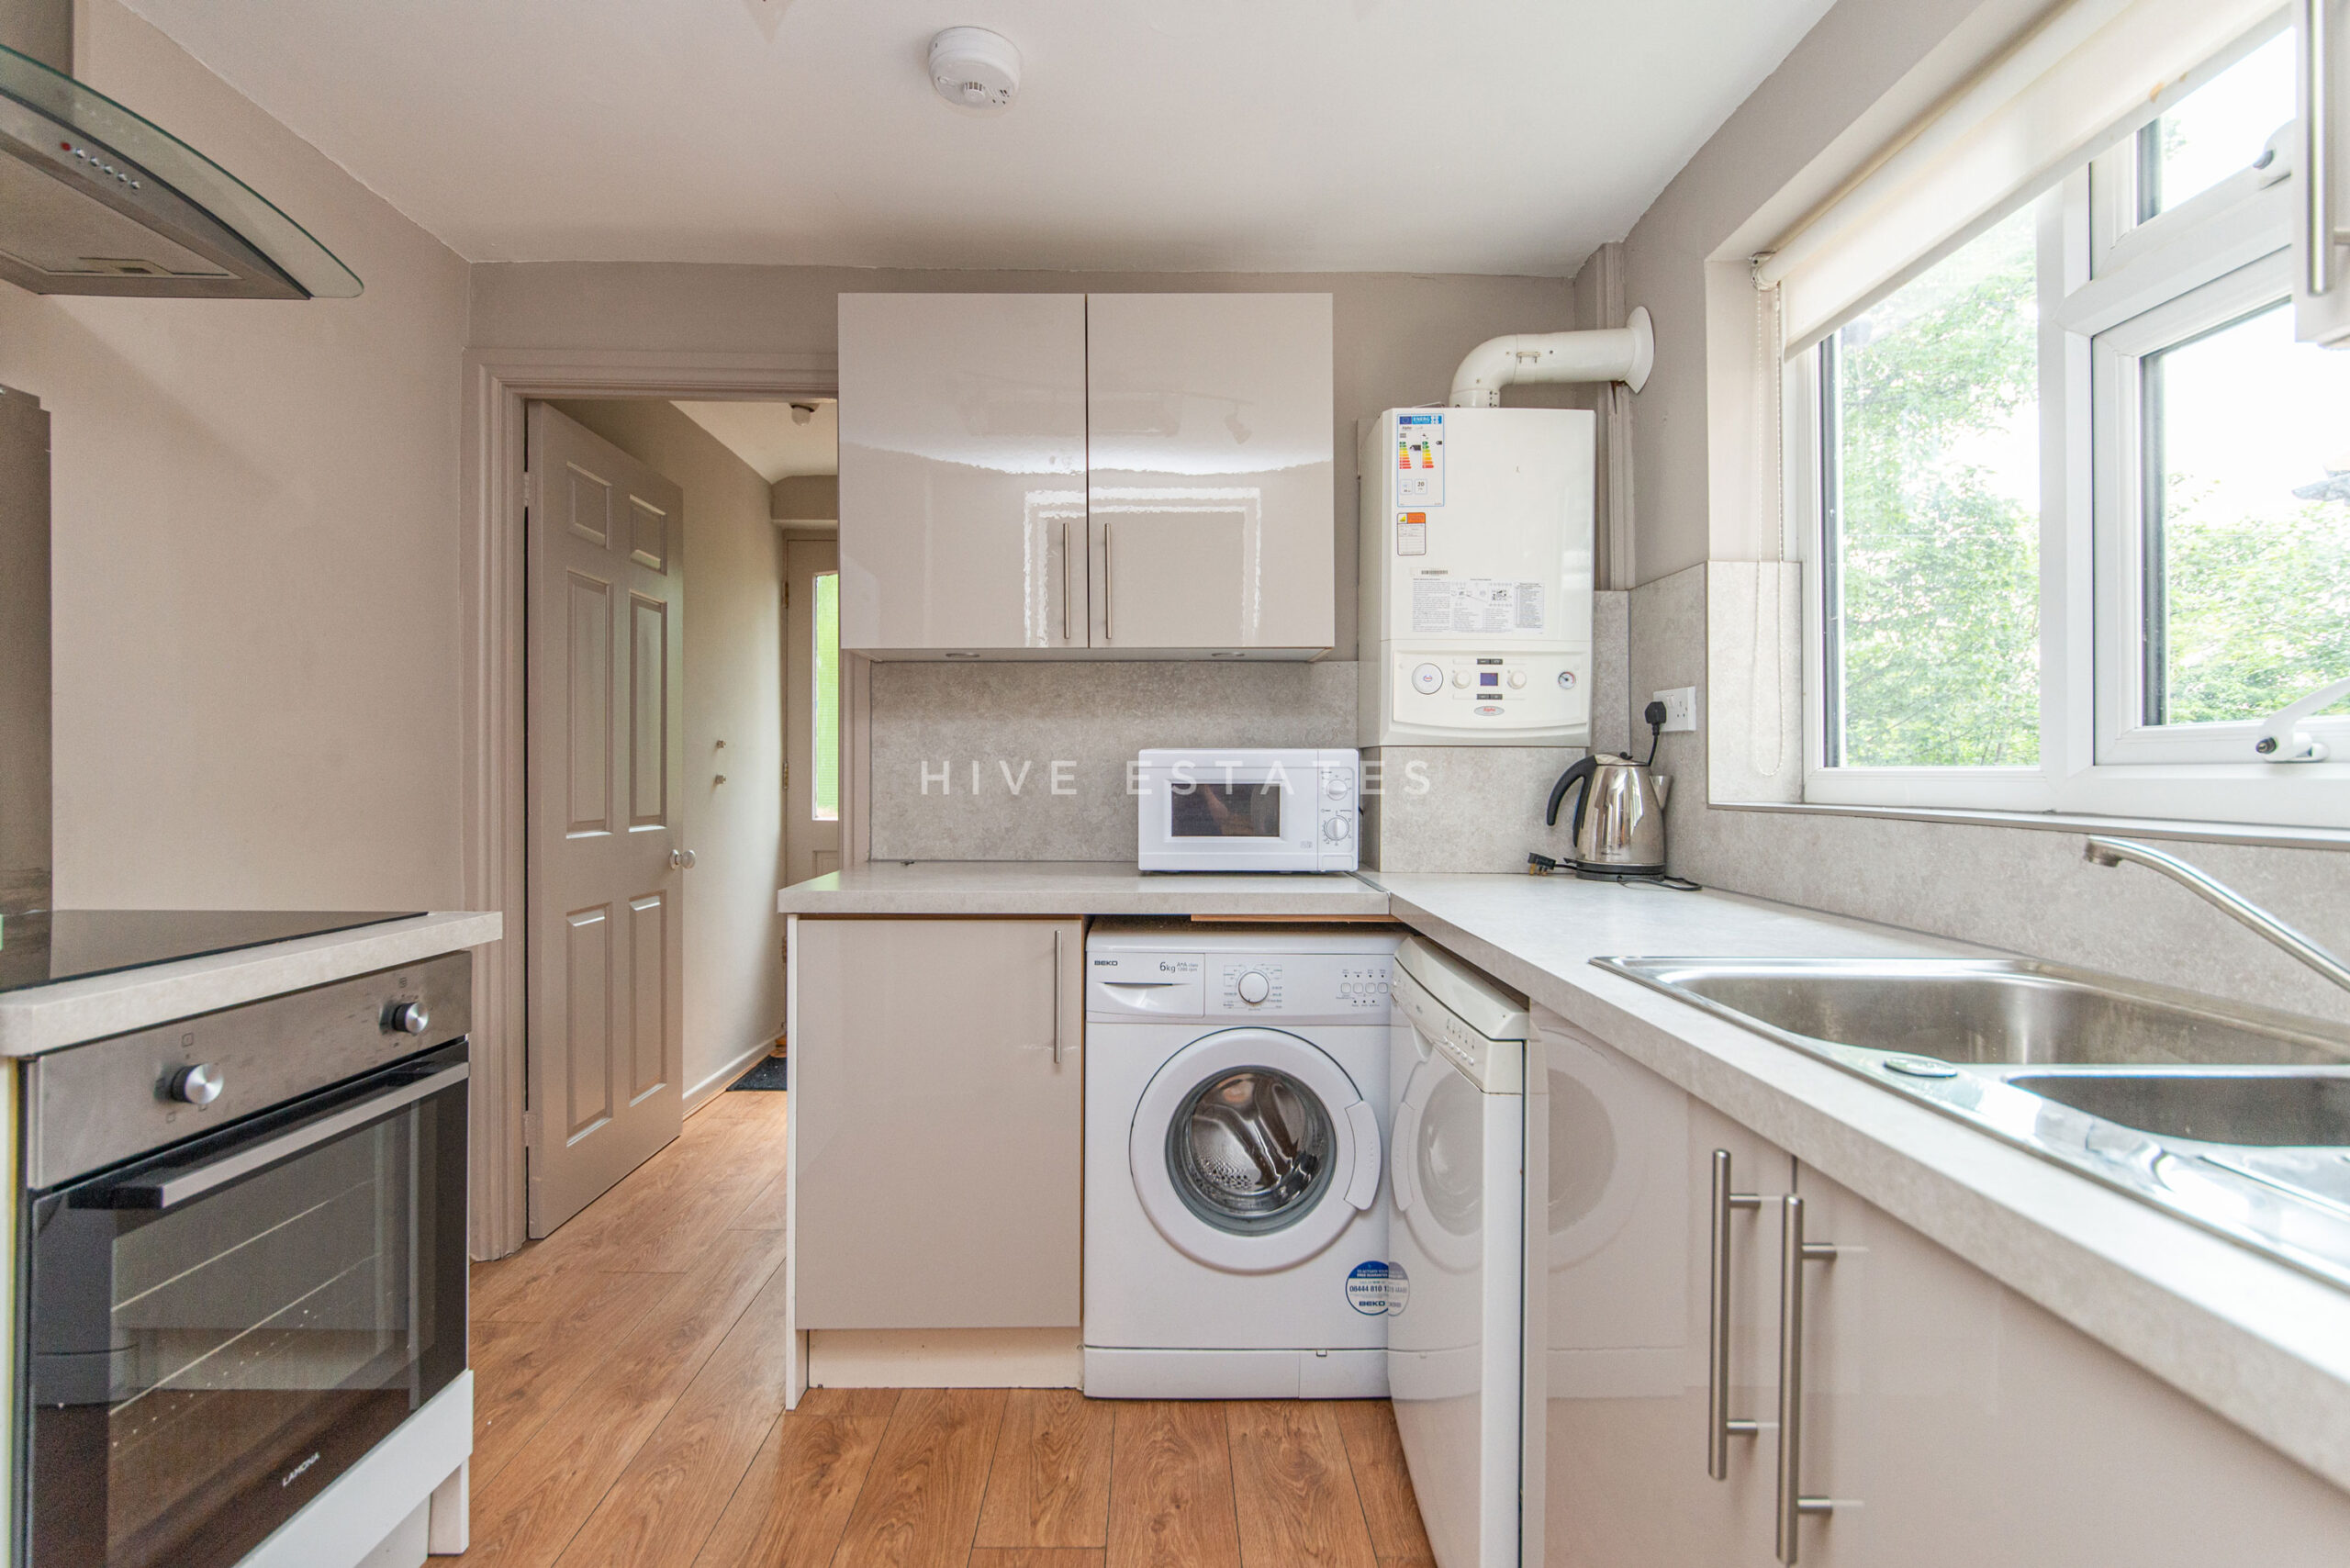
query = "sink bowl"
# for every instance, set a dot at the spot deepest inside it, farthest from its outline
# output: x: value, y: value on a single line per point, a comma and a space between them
x: 2236, y: 1118
x: 2264, y: 1110
x: 1990, y: 1012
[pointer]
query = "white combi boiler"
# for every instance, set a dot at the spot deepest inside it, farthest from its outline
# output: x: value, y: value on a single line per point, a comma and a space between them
x: 1477, y: 577
x: 1235, y: 1085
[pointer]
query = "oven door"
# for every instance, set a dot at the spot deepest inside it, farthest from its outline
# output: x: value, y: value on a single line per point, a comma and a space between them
x: 218, y: 1331
x: 1212, y: 814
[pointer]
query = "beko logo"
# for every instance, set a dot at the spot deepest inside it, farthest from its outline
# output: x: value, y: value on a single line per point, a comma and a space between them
x: 295, y: 1473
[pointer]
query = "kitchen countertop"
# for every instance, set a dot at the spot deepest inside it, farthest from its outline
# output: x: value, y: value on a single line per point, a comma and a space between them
x: 2264, y: 1345
x: 1075, y: 887
x: 41, y: 1018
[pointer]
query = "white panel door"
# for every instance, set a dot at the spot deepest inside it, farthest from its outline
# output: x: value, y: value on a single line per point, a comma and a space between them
x: 962, y: 471
x: 606, y: 754
x: 1211, y: 451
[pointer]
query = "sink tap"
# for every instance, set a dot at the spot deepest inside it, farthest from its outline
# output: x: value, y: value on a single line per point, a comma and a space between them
x: 2114, y: 851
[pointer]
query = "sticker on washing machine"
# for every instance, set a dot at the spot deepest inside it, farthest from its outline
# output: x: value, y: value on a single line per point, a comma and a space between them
x: 1376, y: 1289
x: 1419, y: 459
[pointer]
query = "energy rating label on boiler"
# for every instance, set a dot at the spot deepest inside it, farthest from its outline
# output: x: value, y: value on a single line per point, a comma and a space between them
x: 1419, y: 460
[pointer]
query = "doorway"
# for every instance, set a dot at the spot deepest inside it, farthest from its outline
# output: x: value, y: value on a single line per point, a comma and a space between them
x: 656, y: 734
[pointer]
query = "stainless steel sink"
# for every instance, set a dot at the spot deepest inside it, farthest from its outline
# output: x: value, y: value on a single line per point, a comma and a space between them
x: 2266, y: 1109
x: 2236, y: 1117
x: 1990, y: 1012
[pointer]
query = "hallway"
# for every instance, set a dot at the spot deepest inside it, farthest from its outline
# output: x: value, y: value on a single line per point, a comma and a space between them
x: 629, y: 1376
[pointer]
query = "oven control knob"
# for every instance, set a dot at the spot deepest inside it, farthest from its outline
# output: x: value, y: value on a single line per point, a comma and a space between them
x: 1255, y: 987
x: 198, y: 1085
x: 1427, y: 680
x: 406, y: 1017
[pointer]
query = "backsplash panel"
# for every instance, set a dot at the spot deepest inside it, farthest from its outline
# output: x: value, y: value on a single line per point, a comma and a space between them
x: 965, y: 754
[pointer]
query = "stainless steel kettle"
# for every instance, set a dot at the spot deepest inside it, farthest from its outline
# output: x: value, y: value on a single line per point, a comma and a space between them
x: 1619, y: 815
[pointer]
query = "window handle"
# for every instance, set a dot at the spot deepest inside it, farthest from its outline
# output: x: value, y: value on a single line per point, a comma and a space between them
x: 2281, y: 737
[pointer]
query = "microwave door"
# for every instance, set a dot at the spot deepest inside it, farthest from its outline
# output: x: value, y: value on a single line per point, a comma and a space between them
x: 1250, y: 817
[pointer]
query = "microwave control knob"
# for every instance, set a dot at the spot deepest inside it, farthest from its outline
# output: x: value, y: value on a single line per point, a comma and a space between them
x: 406, y: 1018
x: 1427, y: 680
x: 1335, y: 784
x: 1255, y: 987
x: 198, y: 1085
x: 1337, y: 829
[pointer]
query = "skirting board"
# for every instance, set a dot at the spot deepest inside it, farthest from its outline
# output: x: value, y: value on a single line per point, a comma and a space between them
x: 945, y: 1358
x: 710, y: 1088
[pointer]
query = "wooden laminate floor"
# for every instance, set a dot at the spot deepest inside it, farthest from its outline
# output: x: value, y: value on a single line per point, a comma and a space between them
x: 629, y: 1410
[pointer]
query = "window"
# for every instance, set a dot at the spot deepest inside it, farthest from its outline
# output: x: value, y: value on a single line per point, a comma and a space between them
x: 824, y: 704
x: 2079, y: 515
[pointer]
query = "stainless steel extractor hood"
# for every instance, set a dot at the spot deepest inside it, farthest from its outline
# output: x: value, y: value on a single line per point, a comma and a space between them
x: 96, y: 200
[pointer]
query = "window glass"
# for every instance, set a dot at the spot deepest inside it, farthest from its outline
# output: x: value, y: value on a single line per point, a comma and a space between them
x: 2247, y: 521
x: 2217, y: 129
x: 825, y: 791
x: 1932, y: 557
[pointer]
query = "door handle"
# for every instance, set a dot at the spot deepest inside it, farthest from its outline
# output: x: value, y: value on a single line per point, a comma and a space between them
x: 1107, y: 636
x: 1794, y: 1253
x: 1720, y: 1424
x: 1056, y: 996
x: 1065, y: 637
x: 682, y: 859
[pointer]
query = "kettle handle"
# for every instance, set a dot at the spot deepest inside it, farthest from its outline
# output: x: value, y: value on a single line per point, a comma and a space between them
x: 1581, y: 773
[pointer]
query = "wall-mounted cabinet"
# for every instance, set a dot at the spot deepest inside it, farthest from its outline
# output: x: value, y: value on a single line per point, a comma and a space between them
x: 1137, y: 476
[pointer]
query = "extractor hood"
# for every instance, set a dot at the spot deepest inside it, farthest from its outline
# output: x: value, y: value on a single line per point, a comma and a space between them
x: 96, y: 200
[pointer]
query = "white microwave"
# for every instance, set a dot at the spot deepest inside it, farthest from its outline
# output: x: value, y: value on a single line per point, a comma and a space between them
x: 1247, y: 809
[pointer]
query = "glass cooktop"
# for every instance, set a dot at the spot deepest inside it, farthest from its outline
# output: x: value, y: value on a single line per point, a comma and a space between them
x: 67, y: 943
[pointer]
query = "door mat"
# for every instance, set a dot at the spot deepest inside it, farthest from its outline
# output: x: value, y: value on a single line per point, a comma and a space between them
x: 772, y: 1072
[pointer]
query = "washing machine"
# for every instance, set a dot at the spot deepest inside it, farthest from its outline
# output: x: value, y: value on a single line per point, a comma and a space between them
x: 1456, y: 1326
x: 1235, y: 1245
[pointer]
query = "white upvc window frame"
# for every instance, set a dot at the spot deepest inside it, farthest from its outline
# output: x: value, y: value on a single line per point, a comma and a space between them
x: 2112, y: 291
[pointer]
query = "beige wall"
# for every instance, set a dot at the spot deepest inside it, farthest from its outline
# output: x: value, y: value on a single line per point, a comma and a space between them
x: 1398, y: 336
x: 733, y: 602
x: 2025, y: 890
x: 256, y: 619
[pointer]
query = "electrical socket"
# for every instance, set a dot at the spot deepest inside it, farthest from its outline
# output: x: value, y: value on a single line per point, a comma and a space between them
x: 1680, y: 707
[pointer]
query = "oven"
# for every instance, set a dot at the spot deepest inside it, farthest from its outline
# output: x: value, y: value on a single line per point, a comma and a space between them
x: 1247, y: 809
x: 243, y: 1263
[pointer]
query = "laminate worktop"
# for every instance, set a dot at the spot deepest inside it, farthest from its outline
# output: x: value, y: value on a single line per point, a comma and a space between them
x: 1077, y: 887
x: 41, y: 1018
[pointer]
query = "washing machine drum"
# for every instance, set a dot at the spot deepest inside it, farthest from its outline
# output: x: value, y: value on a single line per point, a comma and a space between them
x: 1251, y: 1150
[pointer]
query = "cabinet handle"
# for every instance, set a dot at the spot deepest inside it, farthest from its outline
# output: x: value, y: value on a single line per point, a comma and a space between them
x: 2317, y: 133
x: 1057, y: 996
x: 1107, y: 636
x: 1720, y: 1424
x: 1065, y: 582
x: 1794, y: 1253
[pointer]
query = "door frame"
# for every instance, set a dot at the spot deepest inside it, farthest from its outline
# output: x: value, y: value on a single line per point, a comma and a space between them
x: 491, y: 583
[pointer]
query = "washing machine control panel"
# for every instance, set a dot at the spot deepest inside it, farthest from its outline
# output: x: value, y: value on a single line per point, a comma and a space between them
x: 1345, y: 987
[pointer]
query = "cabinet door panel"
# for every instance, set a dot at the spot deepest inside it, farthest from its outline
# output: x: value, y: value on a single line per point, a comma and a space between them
x: 1210, y: 490
x: 937, y: 1171
x: 1620, y: 1314
x: 962, y: 471
x: 1954, y: 1422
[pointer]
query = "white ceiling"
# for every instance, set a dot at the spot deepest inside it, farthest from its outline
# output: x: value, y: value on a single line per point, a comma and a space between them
x: 1494, y: 136
x: 766, y: 436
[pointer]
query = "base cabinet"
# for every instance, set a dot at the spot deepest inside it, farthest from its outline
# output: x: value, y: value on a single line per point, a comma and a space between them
x: 1945, y: 1420
x: 938, y: 1121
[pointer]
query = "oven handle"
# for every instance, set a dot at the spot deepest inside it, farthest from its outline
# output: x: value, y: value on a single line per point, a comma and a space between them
x: 170, y: 1187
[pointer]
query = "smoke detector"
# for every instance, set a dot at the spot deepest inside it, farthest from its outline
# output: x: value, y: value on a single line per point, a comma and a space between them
x: 974, y: 68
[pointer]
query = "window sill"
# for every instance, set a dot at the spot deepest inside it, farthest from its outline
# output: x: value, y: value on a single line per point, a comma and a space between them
x: 2071, y: 821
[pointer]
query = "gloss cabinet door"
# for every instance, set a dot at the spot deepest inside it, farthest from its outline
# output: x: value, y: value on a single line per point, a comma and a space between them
x: 962, y: 473
x: 1623, y: 1311
x: 1210, y: 430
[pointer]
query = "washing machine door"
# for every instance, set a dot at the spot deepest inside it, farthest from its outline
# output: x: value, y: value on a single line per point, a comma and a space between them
x: 1251, y: 1149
